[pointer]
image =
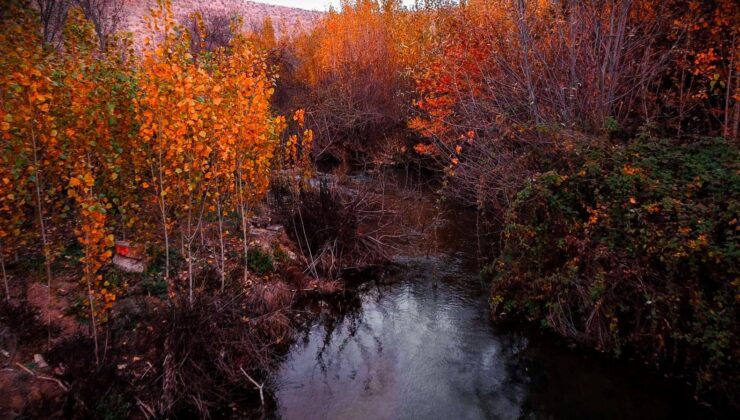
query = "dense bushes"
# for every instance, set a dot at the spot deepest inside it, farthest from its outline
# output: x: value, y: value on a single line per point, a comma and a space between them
x: 349, y: 74
x: 504, y: 84
x: 633, y: 248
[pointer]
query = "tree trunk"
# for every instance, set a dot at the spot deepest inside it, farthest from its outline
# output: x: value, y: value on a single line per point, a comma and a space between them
x: 163, y: 210
x: 221, y: 242
x: 90, y: 298
x: 5, y: 275
x: 243, y: 208
x: 42, y: 229
x: 730, y: 125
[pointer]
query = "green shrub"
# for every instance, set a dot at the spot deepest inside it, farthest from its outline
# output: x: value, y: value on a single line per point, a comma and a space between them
x: 259, y: 261
x: 154, y: 287
x: 113, y: 407
x: 637, y: 247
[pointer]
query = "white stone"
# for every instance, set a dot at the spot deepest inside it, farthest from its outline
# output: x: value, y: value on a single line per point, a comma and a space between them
x: 39, y: 361
x: 129, y: 265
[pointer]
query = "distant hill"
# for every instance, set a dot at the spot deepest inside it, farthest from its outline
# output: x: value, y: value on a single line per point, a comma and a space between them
x: 285, y: 19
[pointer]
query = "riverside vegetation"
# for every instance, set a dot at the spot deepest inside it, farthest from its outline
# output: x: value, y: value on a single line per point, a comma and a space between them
x: 596, y: 140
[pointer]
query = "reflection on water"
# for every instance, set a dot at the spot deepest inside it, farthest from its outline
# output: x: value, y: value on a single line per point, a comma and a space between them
x: 416, y: 349
x: 419, y: 344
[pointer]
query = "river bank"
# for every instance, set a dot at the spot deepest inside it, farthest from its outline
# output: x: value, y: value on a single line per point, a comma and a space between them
x: 417, y: 341
x: 410, y: 339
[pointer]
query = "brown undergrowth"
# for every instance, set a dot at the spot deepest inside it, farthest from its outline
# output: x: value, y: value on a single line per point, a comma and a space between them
x: 159, y: 353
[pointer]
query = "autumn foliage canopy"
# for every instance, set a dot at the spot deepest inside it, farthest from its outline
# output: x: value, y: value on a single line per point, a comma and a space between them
x: 115, y: 143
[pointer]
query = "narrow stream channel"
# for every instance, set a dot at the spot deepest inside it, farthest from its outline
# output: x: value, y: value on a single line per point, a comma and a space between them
x: 419, y: 344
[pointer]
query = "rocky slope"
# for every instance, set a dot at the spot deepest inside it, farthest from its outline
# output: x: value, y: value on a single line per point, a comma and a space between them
x: 285, y: 19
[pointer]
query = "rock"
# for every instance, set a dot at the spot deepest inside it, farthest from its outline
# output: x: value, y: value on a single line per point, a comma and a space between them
x: 278, y: 229
x: 263, y: 238
x: 129, y: 265
x: 260, y: 221
x: 291, y: 255
x: 39, y: 361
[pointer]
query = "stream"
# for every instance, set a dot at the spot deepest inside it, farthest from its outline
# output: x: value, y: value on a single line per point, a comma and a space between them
x: 419, y: 344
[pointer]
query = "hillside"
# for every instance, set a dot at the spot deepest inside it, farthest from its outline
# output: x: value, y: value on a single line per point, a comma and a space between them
x: 286, y: 19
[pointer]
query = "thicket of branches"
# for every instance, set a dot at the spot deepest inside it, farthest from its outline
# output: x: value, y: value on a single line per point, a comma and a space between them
x: 501, y: 87
x: 532, y: 79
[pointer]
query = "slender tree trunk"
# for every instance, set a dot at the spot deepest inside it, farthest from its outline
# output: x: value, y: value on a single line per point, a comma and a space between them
x: 163, y: 209
x: 308, y: 245
x: 615, y: 60
x: 245, y: 228
x: 182, y: 245
x: 169, y: 384
x: 190, y: 273
x: 243, y: 208
x: 42, y: 230
x: 221, y: 242
x: 166, y: 242
x: 5, y: 275
x: 736, y: 117
x: 295, y: 196
x: 202, y: 237
x: 527, y: 67
x: 191, y: 234
x: 189, y: 249
x: 681, y: 101
x: 90, y: 298
x: 728, y: 129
